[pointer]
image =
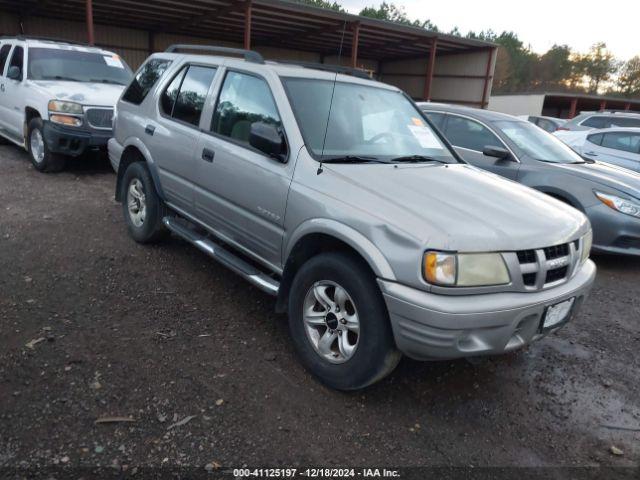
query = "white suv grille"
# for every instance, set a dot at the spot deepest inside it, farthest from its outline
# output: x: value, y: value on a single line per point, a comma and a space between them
x: 100, y: 118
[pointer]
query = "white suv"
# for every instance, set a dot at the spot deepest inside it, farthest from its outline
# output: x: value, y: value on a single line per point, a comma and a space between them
x: 57, y: 99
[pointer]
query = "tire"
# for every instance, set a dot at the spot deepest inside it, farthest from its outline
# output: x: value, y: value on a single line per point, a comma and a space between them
x: 142, y: 207
x: 43, y: 159
x: 366, y: 356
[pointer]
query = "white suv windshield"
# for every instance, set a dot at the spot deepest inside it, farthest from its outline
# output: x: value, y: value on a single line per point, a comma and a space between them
x: 77, y: 66
x: 363, y: 121
x: 537, y: 143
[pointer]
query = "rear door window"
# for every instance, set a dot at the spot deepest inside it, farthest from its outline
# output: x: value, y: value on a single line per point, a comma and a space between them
x: 469, y: 134
x: 626, y: 142
x: 4, y: 54
x: 144, y: 80
x: 185, y: 96
x: 625, y: 122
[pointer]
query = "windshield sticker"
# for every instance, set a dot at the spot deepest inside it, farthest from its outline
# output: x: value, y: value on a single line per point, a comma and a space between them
x: 113, y: 61
x: 425, y: 136
x: 417, y: 122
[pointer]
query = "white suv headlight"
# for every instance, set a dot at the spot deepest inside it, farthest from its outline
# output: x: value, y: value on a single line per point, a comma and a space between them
x: 65, y: 113
x: 465, y: 269
x: 61, y: 106
x: 622, y: 205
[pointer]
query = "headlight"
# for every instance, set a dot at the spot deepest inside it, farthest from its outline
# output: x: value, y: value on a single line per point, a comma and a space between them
x: 465, y: 269
x: 587, y: 241
x: 621, y: 205
x: 61, y: 106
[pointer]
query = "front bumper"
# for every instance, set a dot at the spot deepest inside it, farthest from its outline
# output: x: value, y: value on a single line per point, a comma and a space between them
x: 74, y: 141
x: 427, y: 326
x: 614, y: 232
x: 115, y: 153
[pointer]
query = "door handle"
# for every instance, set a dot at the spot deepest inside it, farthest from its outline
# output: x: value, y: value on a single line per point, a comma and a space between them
x: 149, y: 129
x: 591, y: 154
x: 207, y: 155
x: 2, y: 87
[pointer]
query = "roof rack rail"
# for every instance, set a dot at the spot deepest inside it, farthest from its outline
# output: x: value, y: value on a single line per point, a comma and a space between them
x: 249, y: 55
x: 355, y: 72
x: 606, y: 110
x: 46, y: 39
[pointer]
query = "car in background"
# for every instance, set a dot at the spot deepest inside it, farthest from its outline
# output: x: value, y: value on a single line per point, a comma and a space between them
x: 591, y: 120
x: 617, y: 146
x: 516, y: 149
x: 548, y: 124
x: 56, y: 98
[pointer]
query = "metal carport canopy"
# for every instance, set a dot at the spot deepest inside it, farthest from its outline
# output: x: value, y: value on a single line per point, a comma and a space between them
x: 277, y: 23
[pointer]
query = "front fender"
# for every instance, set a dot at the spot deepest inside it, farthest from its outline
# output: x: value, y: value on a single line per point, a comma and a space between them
x: 135, y: 142
x: 372, y: 255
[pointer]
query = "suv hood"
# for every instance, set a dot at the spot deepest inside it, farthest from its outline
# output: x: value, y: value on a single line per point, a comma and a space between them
x: 611, y: 176
x: 97, y: 94
x: 459, y: 207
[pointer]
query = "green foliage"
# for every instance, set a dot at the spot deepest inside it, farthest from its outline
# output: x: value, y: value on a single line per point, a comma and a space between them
x: 629, y: 77
x: 393, y: 13
x: 323, y: 4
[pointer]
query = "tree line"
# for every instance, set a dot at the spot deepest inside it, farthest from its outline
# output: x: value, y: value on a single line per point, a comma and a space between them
x: 519, y: 69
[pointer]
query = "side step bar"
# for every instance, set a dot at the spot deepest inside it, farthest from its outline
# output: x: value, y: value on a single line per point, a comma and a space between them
x: 228, y: 259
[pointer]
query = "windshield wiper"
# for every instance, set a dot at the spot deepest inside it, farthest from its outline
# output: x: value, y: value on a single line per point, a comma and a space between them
x: 60, y: 77
x: 352, y: 159
x: 415, y: 159
x: 105, y: 80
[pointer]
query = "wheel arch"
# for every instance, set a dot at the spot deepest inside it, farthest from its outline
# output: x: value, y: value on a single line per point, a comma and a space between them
x: 320, y: 236
x: 29, y: 114
x: 562, y: 196
x: 135, y: 151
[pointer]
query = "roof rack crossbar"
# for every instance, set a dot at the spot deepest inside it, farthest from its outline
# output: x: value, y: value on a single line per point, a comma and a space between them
x: 46, y: 39
x: 249, y: 55
x: 355, y: 72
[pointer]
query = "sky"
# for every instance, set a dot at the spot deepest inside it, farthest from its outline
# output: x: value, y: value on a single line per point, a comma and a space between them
x: 539, y: 24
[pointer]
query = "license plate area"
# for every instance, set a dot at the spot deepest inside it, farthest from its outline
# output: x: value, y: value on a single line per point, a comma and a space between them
x: 557, y: 315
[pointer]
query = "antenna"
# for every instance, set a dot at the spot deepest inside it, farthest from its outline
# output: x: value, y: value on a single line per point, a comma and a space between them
x: 333, y: 91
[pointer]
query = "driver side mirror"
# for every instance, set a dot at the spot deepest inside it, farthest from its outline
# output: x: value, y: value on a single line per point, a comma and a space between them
x: 497, y: 152
x: 14, y: 73
x: 268, y: 139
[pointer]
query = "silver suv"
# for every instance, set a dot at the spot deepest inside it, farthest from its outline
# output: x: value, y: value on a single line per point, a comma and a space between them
x: 591, y: 120
x: 335, y: 194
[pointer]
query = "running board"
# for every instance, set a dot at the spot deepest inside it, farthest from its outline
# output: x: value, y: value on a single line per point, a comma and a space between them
x: 228, y: 259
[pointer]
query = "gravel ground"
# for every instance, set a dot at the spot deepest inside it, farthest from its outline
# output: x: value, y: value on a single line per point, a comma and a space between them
x: 94, y: 325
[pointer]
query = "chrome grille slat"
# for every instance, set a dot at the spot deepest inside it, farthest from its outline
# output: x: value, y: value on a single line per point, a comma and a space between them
x: 548, y: 266
x: 100, y: 118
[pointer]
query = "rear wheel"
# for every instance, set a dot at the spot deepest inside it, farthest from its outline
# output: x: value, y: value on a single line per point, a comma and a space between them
x: 41, y: 157
x: 142, y: 207
x: 339, y: 322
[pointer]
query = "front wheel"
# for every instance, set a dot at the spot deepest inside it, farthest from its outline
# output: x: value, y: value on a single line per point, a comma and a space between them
x: 339, y: 322
x: 43, y: 159
x: 143, y: 209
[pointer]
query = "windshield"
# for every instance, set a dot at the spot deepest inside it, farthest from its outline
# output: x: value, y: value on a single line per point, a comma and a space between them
x: 77, y: 66
x: 363, y: 121
x: 537, y: 143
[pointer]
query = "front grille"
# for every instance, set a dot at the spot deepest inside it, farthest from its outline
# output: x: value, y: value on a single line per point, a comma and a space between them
x: 556, y: 252
x: 556, y: 274
x: 100, y: 117
x: 527, y: 256
x: 549, y: 265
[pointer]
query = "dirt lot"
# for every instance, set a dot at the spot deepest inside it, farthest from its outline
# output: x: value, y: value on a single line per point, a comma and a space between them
x: 161, y: 334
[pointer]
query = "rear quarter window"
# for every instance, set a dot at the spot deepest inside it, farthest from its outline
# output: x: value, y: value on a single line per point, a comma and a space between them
x: 144, y: 80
